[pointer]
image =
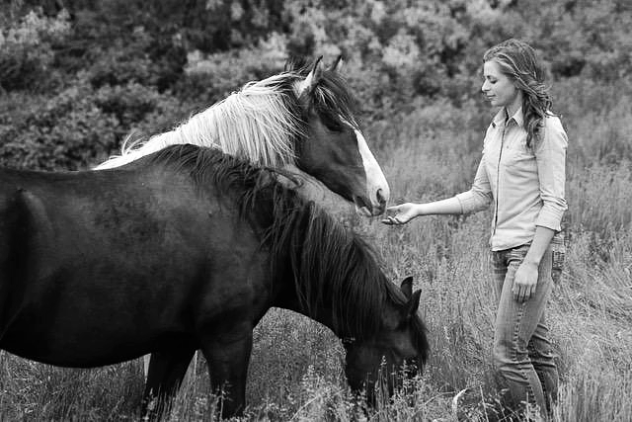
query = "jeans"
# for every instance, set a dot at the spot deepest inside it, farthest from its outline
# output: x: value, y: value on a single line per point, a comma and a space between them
x: 522, y: 350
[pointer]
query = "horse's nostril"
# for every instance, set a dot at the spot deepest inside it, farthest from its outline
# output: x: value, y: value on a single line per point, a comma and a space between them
x: 380, y: 197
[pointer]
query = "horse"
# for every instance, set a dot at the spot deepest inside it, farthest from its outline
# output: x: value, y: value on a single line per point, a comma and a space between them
x: 186, y: 249
x: 302, y: 118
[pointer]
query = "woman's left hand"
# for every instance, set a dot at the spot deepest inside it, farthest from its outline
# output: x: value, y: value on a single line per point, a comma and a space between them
x: 525, y: 282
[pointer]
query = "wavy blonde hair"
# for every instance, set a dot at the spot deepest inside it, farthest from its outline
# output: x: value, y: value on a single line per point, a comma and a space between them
x: 518, y: 61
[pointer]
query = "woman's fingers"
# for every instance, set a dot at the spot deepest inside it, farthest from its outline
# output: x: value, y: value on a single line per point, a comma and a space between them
x: 391, y: 221
x: 523, y: 293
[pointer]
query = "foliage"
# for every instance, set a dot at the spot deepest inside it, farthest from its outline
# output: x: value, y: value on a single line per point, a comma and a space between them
x: 399, y: 55
x: 26, y: 56
x: 69, y: 130
x: 77, y: 77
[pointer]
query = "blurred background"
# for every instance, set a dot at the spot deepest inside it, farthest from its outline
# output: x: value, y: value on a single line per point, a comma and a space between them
x: 77, y: 77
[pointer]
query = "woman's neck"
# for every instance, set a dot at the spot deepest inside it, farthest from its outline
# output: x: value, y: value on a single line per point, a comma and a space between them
x: 515, y: 105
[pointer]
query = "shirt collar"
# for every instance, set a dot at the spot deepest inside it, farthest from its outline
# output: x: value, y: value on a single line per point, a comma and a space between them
x: 500, y: 117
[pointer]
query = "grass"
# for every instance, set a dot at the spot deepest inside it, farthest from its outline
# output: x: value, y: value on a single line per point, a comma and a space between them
x: 296, y: 368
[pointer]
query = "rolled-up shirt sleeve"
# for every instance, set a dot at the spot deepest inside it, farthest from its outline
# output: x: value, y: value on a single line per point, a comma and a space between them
x: 551, y: 162
x: 479, y: 197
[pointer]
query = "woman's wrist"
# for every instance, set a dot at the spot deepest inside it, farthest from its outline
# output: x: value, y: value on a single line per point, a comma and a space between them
x: 420, y: 210
x: 531, y: 261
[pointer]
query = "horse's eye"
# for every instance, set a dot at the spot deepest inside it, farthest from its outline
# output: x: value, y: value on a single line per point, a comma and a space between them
x: 332, y: 124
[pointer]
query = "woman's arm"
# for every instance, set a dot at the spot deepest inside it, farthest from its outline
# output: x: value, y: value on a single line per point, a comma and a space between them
x: 406, y: 212
x: 476, y: 199
x: 551, y: 161
x: 526, y: 279
x: 550, y: 156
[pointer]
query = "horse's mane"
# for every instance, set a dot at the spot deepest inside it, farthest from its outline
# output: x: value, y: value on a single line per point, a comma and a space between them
x: 326, y: 260
x: 262, y: 123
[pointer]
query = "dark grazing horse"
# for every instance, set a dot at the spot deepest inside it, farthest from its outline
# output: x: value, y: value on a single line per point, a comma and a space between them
x: 301, y: 118
x: 187, y: 249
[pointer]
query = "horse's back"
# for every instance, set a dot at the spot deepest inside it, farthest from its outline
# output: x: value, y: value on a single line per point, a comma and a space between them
x: 112, y: 259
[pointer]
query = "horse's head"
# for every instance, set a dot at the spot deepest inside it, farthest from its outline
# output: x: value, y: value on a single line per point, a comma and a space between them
x: 335, y: 152
x: 399, y: 348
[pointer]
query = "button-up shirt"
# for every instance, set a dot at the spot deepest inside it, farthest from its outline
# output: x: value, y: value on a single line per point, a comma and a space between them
x: 525, y: 185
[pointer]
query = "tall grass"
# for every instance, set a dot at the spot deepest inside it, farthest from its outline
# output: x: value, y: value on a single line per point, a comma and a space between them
x: 296, y: 371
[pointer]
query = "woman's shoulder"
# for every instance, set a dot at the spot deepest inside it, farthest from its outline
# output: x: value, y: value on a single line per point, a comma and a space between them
x: 553, y: 128
x: 552, y: 120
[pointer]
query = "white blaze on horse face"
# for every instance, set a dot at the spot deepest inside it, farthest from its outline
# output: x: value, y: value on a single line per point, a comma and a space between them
x: 377, y: 187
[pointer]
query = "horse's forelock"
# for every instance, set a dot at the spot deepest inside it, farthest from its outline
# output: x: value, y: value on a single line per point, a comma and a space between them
x: 332, y: 96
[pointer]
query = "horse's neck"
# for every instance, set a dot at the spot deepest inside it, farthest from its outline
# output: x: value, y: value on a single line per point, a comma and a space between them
x: 321, y: 315
x: 350, y: 323
x: 311, y: 189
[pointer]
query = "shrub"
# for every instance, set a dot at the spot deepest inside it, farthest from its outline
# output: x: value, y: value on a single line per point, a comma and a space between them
x: 26, y: 51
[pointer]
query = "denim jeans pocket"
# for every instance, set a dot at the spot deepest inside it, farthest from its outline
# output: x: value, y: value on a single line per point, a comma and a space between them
x: 504, y: 257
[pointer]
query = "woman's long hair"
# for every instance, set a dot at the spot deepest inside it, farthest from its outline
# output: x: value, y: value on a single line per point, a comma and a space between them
x: 518, y: 61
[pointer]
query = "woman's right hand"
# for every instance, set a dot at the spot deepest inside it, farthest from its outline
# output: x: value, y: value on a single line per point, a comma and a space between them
x: 401, y: 214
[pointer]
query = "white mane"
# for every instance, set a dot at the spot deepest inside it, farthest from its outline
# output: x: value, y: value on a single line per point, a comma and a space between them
x: 254, y: 123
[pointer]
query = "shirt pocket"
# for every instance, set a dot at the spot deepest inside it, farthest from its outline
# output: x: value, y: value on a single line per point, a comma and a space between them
x: 519, y: 160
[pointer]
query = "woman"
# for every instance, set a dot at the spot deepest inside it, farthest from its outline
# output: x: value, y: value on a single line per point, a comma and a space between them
x: 522, y: 175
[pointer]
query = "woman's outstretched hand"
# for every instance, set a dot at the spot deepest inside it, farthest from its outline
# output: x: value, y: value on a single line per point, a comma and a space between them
x: 400, y: 214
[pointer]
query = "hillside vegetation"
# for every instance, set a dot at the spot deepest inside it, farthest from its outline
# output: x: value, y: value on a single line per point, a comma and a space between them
x: 78, y: 77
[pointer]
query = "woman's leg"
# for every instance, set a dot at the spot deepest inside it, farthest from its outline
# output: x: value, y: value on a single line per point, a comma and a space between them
x: 542, y: 358
x: 520, y: 332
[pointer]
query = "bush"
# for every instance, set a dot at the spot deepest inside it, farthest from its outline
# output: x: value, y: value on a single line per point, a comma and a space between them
x: 79, y: 126
x: 26, y: 51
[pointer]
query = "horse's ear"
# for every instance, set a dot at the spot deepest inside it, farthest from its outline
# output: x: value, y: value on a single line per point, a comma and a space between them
x: 407, y: 287
x: 312, y: 79
x: 413, y: 304
x: 413, y: 298
x: 337, y: 64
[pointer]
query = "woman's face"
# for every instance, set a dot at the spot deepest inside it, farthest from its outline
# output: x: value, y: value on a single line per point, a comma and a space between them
x: 499, y: 89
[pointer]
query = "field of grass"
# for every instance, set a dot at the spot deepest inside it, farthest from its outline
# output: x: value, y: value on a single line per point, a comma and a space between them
x: 296, y: 372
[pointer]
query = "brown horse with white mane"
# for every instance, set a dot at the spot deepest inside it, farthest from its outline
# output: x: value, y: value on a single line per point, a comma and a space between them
x: 301, y: 118
x: 182, y: 250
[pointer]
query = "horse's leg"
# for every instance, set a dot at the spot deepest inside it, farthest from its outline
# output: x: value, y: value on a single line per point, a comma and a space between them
x: 164, y: 377
x: 147, y: 358
x: 228, y: 357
